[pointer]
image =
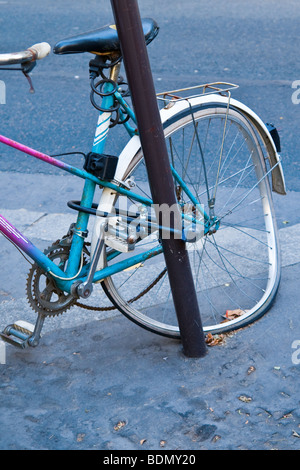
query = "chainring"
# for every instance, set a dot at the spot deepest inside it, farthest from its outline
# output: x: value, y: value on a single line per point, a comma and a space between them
x: 42, y: 294
x: 47, y: 300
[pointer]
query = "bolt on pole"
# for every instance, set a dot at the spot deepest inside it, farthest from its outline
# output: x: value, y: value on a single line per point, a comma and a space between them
x: 141, y: 85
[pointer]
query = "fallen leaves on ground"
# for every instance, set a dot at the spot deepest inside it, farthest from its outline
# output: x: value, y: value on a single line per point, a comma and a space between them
x: 233, y: 314
x: 245, y: 399
x: 251, y: 370
x: 213, y: 340
x: 119, y: 425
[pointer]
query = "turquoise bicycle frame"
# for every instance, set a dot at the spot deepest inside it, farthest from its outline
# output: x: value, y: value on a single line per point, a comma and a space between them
x: 62, y: 279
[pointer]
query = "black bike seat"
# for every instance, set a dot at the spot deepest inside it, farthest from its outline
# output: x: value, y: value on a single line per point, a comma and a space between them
x: 102, y: 41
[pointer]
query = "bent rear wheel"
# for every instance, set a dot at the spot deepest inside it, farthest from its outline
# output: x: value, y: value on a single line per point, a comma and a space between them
x: 235, y: 266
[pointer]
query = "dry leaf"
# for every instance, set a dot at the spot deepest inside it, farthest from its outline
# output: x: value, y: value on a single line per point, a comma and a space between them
x: 213, y: 340
x: 245, y: 399
x: 142, y: 441
x: 162, y: 443
x: 232, y: 314
x: 119, y: 425
x: 251, y: 370
x: 295, y: 434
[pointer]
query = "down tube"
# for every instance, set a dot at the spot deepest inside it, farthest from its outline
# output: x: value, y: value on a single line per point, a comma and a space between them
x: 18, y: 239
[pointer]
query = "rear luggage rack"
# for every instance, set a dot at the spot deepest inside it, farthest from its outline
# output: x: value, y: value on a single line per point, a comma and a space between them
x: 222, y: 88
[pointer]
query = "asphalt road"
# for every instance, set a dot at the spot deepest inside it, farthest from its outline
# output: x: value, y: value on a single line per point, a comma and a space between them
x: 253, y: 44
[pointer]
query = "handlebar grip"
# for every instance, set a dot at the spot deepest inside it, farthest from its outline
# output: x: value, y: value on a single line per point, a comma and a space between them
x: 40, y: 50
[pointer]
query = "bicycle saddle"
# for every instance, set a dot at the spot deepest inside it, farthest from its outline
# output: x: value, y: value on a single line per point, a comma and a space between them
x: 102, y: 41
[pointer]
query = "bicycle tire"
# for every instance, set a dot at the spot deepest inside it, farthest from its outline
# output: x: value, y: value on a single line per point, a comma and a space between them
x: 236, y: 269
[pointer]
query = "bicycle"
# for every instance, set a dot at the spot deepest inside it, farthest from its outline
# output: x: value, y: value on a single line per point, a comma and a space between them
x: 225, y: 162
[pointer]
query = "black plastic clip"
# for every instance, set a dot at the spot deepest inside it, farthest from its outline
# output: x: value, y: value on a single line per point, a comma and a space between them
x: 100, y: 165
x: 275, y: 136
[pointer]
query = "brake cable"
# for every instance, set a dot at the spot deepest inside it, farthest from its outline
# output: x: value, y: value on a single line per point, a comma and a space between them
x: 26, y: 68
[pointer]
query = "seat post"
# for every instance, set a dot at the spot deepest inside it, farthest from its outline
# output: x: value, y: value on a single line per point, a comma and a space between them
x: 114, y: 72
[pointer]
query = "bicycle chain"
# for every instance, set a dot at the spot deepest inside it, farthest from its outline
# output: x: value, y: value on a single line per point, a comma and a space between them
x: 134, y: 299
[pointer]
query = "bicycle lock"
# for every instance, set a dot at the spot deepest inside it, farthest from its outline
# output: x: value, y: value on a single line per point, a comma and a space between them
x: 141, y: 85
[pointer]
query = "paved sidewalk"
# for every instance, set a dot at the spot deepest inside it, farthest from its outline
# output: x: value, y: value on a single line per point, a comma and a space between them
x: 111, y: 385
x: 101, y: 382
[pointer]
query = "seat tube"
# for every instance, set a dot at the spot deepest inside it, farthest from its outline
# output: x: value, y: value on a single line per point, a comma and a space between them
x: 102, y: 128
x: 80, y: 229
x: 89, y: 186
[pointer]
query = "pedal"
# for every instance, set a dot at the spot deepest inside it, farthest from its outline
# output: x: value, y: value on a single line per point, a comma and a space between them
x: 18, y: 334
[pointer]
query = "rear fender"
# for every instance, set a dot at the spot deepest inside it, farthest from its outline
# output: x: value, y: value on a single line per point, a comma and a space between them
x: 263, y: 130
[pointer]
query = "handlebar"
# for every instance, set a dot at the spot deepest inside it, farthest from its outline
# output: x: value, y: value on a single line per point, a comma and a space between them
x: 33, y: 53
